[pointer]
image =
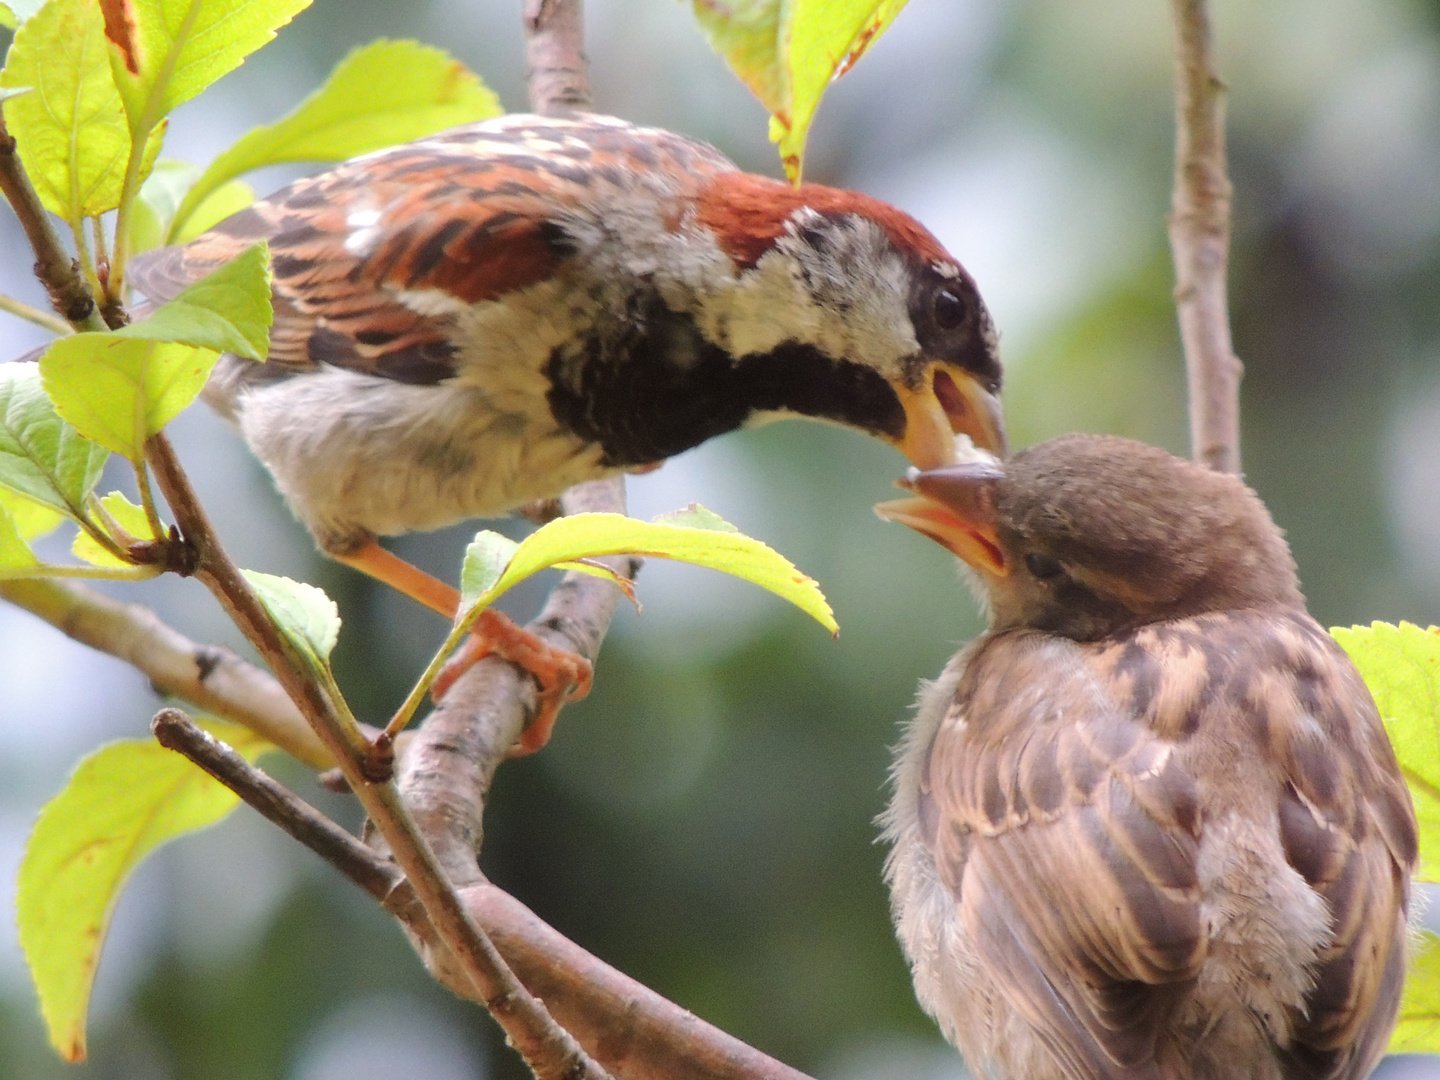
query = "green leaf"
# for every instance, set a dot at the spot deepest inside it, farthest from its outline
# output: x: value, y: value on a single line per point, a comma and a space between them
x: 383, y: 93
x: 119, y: 390
x: 125, y: 514
x: 485, y: 560
x: 706, y: 540
x: 1401, y: 666
x: 160, y: 197
x: 15, y: 553
x: 121, y: 803
x: 164, y: 52
x: 42, y: 456
x: 71, y: 130
x: 788, y: 51
x: 8, y: 18
x: 1418, y: 1029
x: 228, y: 310
x: 32, y: 519
x: 229, y: 198
x: 304, y: 614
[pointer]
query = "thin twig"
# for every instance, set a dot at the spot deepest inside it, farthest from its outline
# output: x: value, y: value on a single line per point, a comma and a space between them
x: 585, y: 994
x: 57, y: 271
x: 1200, y: 243
x: 555, y: 65
x: 278, y: 804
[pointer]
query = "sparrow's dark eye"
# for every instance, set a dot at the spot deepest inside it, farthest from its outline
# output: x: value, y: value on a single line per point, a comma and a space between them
x: 949, y: 310
x: 1043, y: 566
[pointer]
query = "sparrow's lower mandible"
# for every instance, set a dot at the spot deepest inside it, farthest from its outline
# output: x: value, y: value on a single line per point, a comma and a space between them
x: 1148, y: 825
x: 485, y: 317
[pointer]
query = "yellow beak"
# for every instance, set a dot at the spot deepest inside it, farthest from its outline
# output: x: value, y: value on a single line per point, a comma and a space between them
x: 947, y: 403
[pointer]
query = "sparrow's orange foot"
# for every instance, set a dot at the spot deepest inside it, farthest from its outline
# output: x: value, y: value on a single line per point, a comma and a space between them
x: 556, y: 670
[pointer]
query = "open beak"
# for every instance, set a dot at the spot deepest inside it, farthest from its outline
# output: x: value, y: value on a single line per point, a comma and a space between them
x: 947, y: 403
x: 955, y: 507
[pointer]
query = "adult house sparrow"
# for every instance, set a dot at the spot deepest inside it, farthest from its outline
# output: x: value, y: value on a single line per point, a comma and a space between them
x: 483, y: 318
x: 1148, y: 825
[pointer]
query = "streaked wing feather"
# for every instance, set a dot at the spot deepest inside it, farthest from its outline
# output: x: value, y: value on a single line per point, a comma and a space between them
x: 1061, y: 791
x: 373, y: 260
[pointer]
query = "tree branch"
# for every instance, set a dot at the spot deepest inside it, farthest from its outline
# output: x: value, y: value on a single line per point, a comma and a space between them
x: 555, y: 64
x: 549, y: 1051
x: 57, y: 271
x: 1200, y: 243
x: 211, y: 678
x: 632, y: 1028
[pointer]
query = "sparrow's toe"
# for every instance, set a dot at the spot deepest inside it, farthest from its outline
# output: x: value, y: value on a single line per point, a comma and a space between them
x: 561, y: 674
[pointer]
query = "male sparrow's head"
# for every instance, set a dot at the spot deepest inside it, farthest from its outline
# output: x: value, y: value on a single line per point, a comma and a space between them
x: 865, y: 289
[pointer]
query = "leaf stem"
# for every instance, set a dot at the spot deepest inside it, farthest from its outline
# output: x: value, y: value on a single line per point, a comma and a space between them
x: 147, y: 498
x: 22, y: 310
x: 87, y: 264
x: 67, y: 570
x: 140, y: 128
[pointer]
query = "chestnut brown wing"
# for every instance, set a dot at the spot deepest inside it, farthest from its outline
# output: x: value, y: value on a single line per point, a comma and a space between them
x: 374, y: 260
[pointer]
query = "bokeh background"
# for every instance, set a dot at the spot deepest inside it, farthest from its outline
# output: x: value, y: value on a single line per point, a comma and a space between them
x: 704, y: 820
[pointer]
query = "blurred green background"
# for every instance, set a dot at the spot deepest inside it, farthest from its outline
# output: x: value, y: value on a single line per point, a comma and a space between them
x: 704, y: 820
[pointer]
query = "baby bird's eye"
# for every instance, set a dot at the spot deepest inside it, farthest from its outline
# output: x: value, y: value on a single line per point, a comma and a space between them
x: 1043, y: 566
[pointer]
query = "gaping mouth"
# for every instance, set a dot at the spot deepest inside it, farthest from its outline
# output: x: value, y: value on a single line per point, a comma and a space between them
x: 955, y: 507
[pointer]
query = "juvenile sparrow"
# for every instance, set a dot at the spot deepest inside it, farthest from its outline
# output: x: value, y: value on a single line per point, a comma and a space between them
x: 1149, y: 824
x: 485, y: 317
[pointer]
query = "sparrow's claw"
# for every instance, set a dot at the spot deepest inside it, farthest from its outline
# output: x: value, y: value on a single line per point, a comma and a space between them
x: 563, y: 675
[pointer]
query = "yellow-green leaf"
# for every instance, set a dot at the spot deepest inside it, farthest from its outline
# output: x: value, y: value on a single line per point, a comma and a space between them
x: 494, y: 564
x: 748, y: 35
x: 15, y: 553
x: 119, y: 390
x: 383, y: 93
x: 164, y: 52
x: 706, y: 541
x: 129, y: 517
x: 41, y: 456
x: 1401, y: 666
x: 228, y: 310
x: 71, y: 129
x: 8, y: 18
x: 788, y: 52
x: 485, y: 560
x: 32, y: 519
x: 121, y: 802
x: 229, y: 198
x: 1418, y: 1030
x: 304, y: 614
x: 160, y: 196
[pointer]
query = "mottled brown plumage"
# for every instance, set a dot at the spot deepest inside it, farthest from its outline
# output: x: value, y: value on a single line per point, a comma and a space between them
x: 1149, y: 825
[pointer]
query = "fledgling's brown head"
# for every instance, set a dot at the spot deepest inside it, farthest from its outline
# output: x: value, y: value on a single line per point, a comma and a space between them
x: 1089, y: 535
